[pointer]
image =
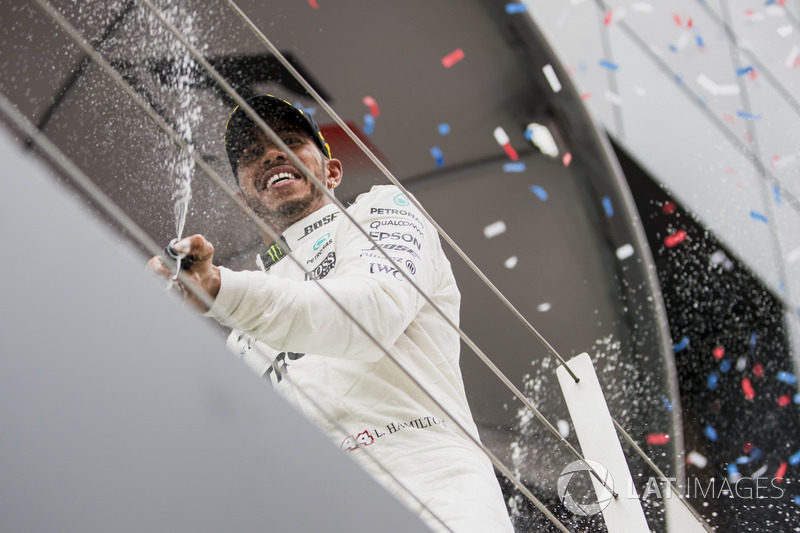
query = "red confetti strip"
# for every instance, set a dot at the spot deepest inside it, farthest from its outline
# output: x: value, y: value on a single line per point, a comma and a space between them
x: 728, y: 118
x: 373, y: 106
x: 719, y: 352
x: 677, y: 19
x: 585, y: 96
x: 313, y: 3
x: 753, y: 74
x: 657, y: 439
x: 758, y: 370
x: 511, y: 152
x: 784, y: 400
x: 689, y: 23
x: 607, y: 19
x: 453, y: 57
x: 675, y: 239
x: 780, y: 473
x: 747, y: 447
x: 567, y: 159
x: 747, y: 388
x: 668, y: 208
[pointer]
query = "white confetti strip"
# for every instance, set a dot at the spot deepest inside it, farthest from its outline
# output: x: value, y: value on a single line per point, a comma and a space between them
x: 642, y: 7
x: 552, y: 79
x: 793, y: 256
x: 639, y: 91
x: 563, y: 428
x: 697, y: 459
x: 501, y: 136
x: 785, y: 31
x: 624, y: 251
x: 494, y: 229
x: 544, y: 307
x: 683, y: 40
x: 511, y: 262
x: 613, y: 98
x: 760, y: 472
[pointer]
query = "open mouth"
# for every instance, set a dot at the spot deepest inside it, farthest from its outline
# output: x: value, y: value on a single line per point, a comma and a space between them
x: 283, y: 176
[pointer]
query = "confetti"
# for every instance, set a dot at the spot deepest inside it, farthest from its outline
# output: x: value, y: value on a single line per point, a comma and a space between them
x: 747, y: 388
x: 313, y: 4
x: 567, y: 159
x: 744, y: 70
x: 711, y: 433
x: 586, y: 96
x: 369, y: 124
x: 658, y: 439
x: 780, y: 472
x: 519, y: 166
x: 699, y: 40
x: 784, y: 400
x: 713, y: 380
x: 544, y: 307
x: 725, y: 366
x: 787, y: 377
x: 758, y: 371
x: 511, y: 262
x: 675, y: 239
x: 668, y: 208
x: 444, y: 128
x: 540, y: 192
x: 608, y: 206
x: 793, y: 256
x: 757, y: 216
x: 494, y: 229
x: 776, y: 193
x: 748, y: 116
x: 667, y: 403
x: 743, y: 460
x: 502, y: 139
x: 607, y: 18
x: 515, y: 7
x: 796, y: 500
x: 753, y: 340
x: 436, y: 152
x: 563, y: 428
x: 733, y: 473
x: 741, y: 364
x: 697, y: 459
x: 552, y: 79
x: 613, y: 98
x: 785, y: 31
x: 608, y: 64
x: 760, y: 472
x: 719, y: 352
x: 453, y: 57
x: 373, y: 106
x: 684, y: 342
x: 625, y: 251
x: 794, y: 460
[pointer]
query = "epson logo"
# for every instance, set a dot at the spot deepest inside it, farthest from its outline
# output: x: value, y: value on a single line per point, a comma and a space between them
x: 327, y: 219
x: 395, y: 236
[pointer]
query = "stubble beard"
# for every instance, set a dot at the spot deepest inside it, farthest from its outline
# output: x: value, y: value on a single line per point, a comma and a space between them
x: 290, y: 211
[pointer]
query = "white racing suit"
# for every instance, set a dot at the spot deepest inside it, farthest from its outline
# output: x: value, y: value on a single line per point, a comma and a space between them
x: 290, y: 331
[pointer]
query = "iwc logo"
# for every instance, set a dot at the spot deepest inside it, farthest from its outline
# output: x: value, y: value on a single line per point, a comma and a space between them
x: 585, y: 506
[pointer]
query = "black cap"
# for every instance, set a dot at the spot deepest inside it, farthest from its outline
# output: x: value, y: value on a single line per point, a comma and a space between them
x: 269, y: 108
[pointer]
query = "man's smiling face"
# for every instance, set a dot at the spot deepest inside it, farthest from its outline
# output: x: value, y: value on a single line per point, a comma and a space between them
x: 271, y: 185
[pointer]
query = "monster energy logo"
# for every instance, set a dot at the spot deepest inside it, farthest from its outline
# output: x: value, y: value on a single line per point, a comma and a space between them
x: 273, y: 254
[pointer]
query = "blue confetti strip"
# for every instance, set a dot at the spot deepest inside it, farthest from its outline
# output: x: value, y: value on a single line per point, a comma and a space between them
x: 794, y: 460
x: 711, y: 433
x: 797, y: 398
x: 309, y: 110
x: 437, y: 154
x: 529, y: 134
x: 517, y: 166
x: 540, y: 192
x: 608, y: 206
x: 776, y: 191
x: 749, y: 116
x: 755, y: 215
x: 743, y: 71
x: 667, y: 403
x: 678, y: 78
x: 673, y: 49
x: 787, y: 377
x: 733, y: 470
x: 743, y: 460
x: 756, y: 454
x: 725, y: 365
x: 700, y: 42
x: 369, y: 124
x: 515, y: 7
x: 608, y: 64
x: 713, y: 380
x: 797, y: 500
x: 753, y: 339
x: 681, y: 345
x: 444, y: 128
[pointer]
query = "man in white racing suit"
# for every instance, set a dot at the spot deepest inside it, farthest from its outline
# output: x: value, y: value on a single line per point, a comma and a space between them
x: 286, y: 328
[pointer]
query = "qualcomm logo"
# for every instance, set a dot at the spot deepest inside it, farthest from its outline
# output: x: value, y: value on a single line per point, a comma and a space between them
x: 401, y: 200
x: 321, y: 241
x: 586, y: 506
